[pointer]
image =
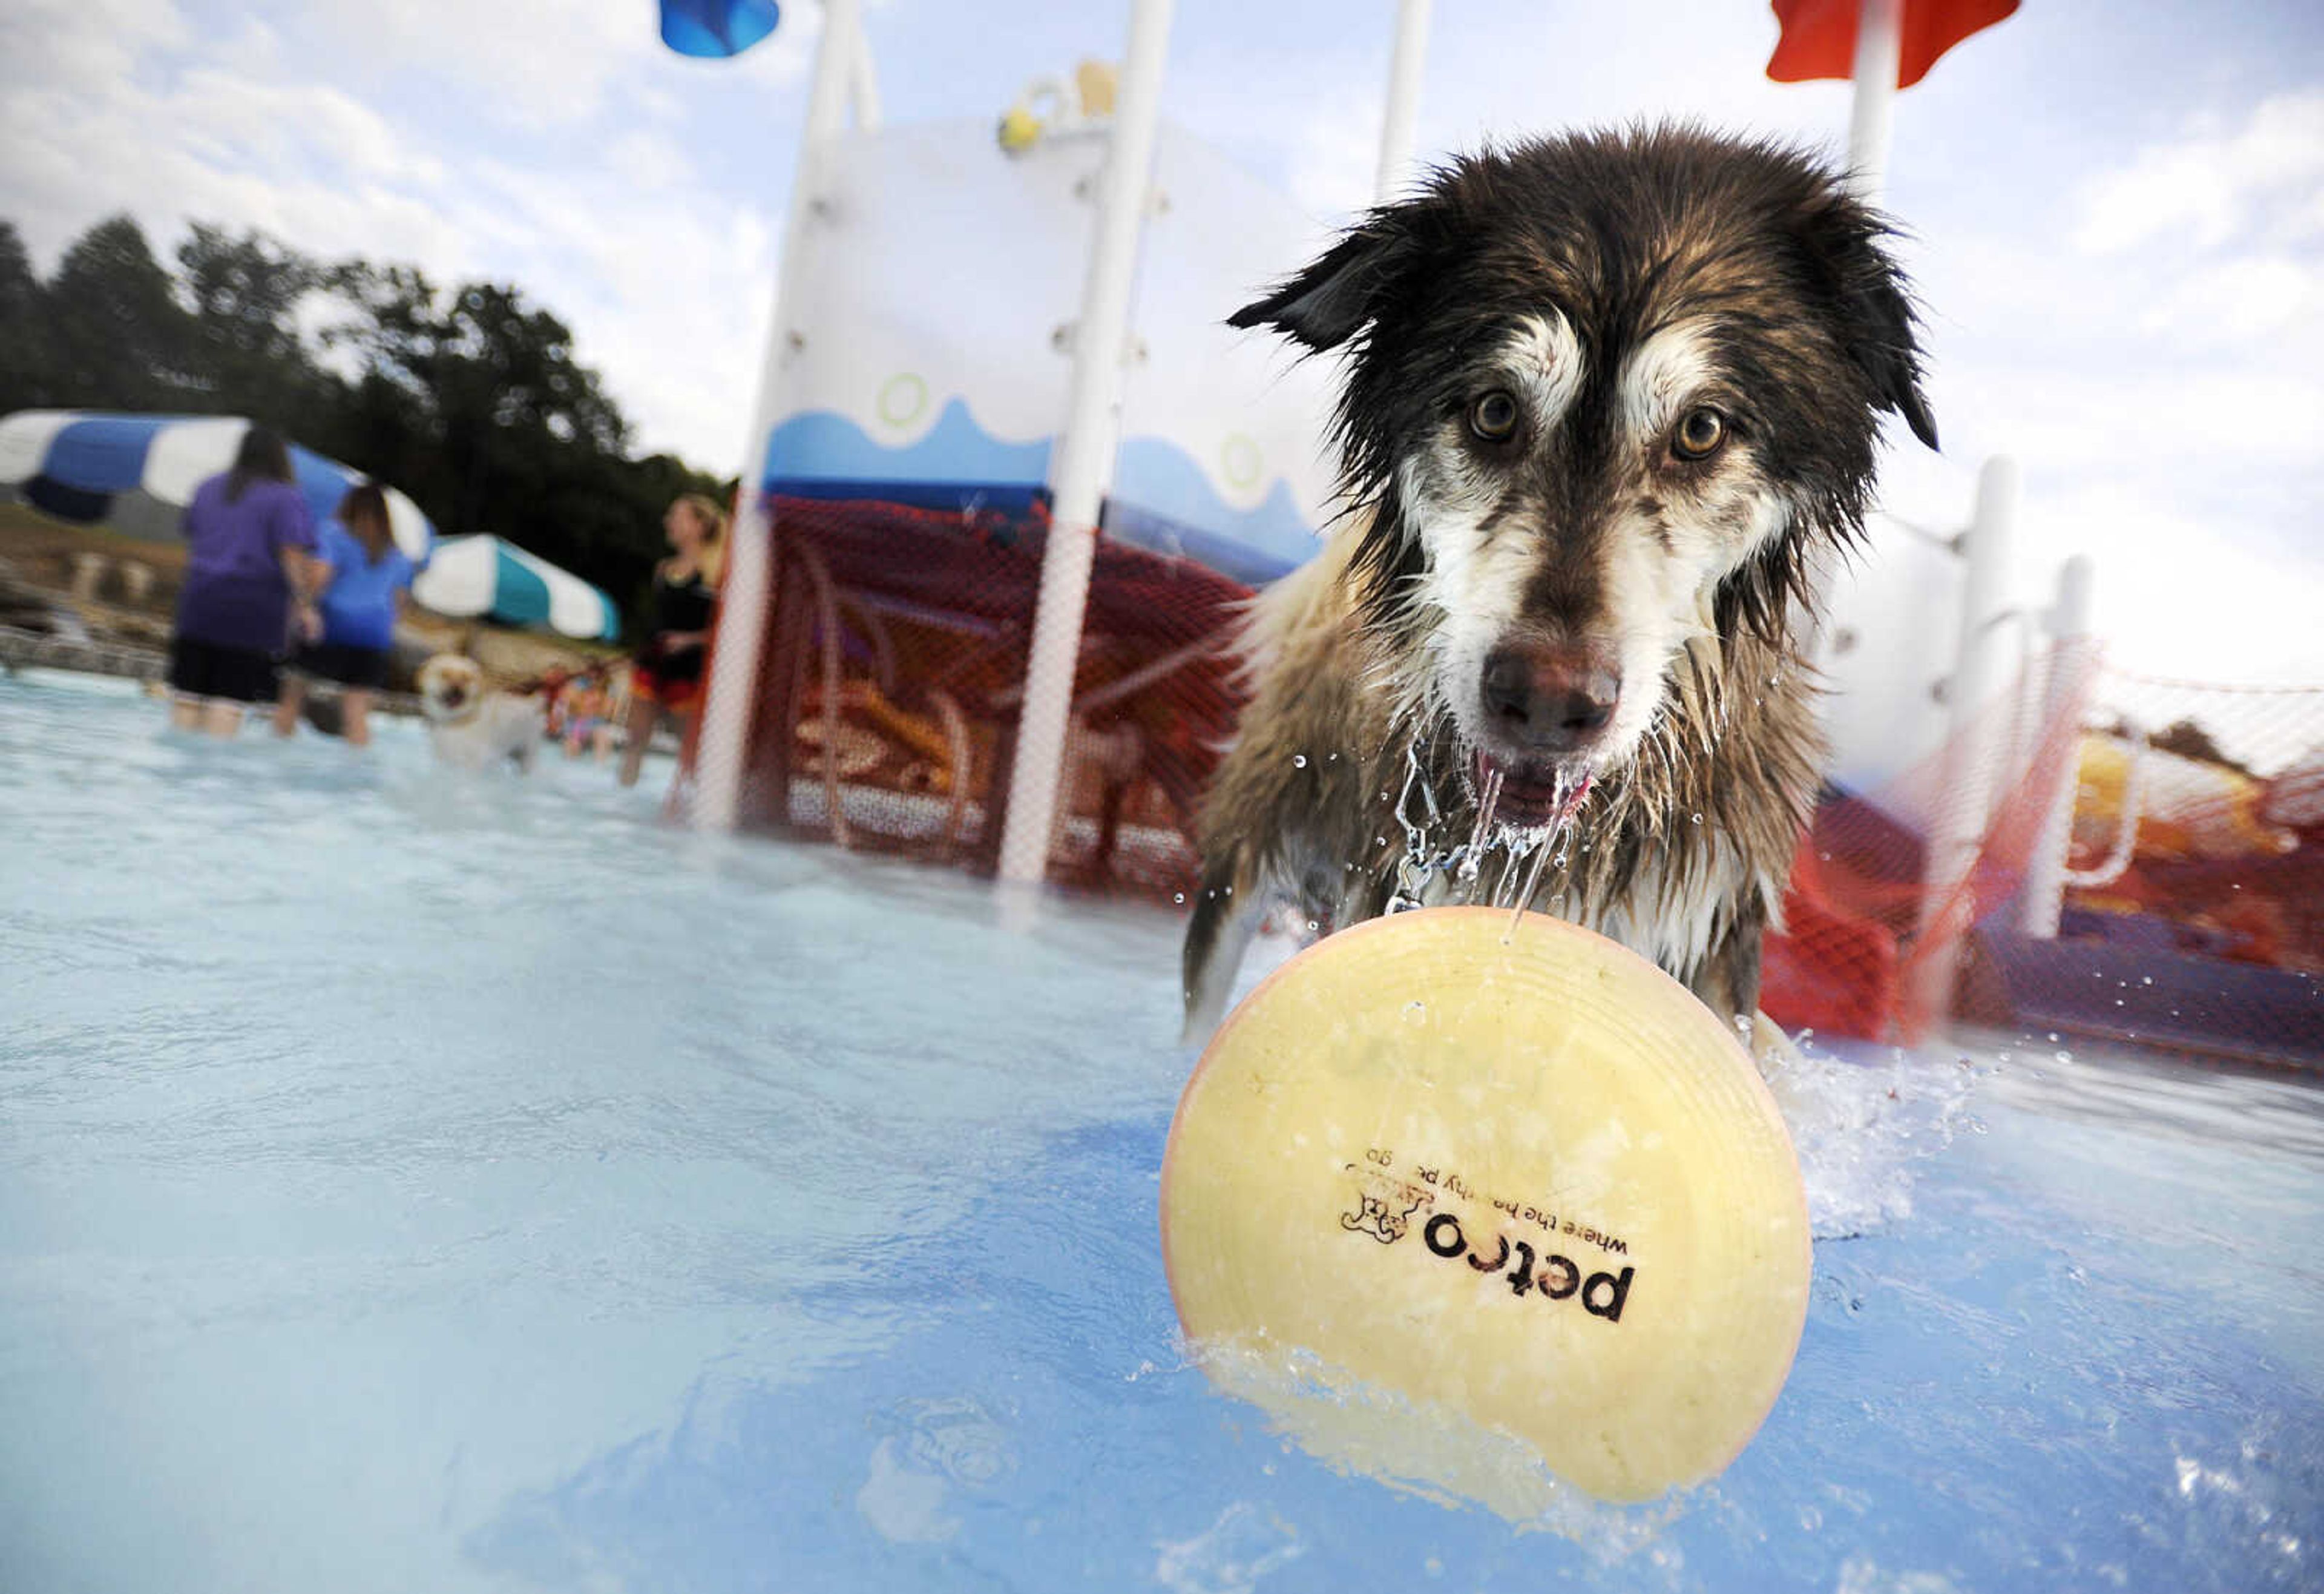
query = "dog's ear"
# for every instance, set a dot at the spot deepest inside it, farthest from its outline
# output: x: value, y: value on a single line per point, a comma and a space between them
x: 1845, y: 241
x: 1347, y: 285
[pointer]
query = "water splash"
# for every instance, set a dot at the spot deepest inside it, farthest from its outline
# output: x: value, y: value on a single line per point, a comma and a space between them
x: 1481, y: 836
x: 1861, y: 1125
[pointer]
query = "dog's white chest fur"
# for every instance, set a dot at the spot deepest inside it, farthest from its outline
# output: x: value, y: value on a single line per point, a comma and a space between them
x: 504, y: 729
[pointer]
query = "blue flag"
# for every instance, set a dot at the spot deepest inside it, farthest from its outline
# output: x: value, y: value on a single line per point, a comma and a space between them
x: 712, y: 30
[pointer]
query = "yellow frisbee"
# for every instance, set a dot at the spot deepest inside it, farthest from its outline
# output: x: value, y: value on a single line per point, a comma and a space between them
x: 1505, y: 1166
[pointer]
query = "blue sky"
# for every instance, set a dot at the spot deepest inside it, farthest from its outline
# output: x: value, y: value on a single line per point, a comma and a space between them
x: 2117, y: 210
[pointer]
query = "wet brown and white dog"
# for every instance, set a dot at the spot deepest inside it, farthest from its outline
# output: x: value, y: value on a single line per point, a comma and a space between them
x: 1604, y: 398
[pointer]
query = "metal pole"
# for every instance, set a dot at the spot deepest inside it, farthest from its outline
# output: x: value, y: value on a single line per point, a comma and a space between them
x: 1879, y: 57
x: 750, y: 556
x: 2069, y: 630
x: 1084, y: 454
x: 1957, y: 828
x: 1402, y: 115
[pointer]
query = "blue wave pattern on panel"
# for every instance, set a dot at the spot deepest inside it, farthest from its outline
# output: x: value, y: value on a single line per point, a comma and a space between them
x: 1162, y: 499
x: 826, y: 444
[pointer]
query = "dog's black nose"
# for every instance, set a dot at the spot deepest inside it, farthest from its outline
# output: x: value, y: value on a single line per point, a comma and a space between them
x: 1549, y: 699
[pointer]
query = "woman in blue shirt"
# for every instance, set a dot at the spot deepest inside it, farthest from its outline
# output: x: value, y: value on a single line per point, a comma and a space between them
x: 358, y: 580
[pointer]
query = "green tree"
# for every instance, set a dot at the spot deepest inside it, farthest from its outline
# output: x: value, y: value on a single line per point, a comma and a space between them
x: 118, y: 336
x: 246, y: 352
x: 24, y: 354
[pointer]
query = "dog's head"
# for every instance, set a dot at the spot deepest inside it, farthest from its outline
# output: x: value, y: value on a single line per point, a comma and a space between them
x: 451, y: 689
x: 1607, y: 393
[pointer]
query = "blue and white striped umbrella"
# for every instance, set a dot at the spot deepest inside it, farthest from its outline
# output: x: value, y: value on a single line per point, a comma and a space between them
x: 486, y: 578
x: 137, y: 472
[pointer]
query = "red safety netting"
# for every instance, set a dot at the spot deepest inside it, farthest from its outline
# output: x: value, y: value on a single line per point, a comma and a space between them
x: 1874, y: 922
x: 891, y: 673
x: 2186, y: 824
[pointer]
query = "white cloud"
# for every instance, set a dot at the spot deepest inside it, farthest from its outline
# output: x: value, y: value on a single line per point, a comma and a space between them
x: 2173, y: 598
x: 2158, y: 369
x: 2205, y: 187
x: 84, y: 42
x: 2246, y: 300
x: 548, y: 64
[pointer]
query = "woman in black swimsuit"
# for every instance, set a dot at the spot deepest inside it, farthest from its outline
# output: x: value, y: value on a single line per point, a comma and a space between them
x: 666, y: 672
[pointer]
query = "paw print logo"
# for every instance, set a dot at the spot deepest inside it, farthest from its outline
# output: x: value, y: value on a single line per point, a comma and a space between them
x: 1374, y: 1217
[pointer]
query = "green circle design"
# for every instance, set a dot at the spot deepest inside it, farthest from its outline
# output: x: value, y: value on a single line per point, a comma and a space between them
x: 902, y: 397
x: 1239, y: 460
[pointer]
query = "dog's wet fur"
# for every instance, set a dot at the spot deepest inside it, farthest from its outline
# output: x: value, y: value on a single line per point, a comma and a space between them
x: 1606, y: 398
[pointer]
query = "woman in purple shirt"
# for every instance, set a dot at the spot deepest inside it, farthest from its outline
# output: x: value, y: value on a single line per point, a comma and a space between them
x: 245, y: 532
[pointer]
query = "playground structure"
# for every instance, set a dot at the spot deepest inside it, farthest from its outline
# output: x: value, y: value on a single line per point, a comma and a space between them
x: 999, y: 521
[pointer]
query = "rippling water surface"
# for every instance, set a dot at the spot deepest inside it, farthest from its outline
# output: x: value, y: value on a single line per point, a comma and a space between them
x: 418, y: 1183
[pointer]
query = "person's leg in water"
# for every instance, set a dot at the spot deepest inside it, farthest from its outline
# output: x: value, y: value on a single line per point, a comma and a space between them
x: 185, y: 712
x: 222, y: 718
x: 354, y: 704
x: 643, y: 712
x: 288, y: 702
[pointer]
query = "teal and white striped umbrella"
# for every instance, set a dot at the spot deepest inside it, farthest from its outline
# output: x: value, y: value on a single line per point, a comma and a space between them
x: 486, y: 578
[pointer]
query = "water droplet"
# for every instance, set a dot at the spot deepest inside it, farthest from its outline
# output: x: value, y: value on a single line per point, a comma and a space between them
x: 1312, y: 925
x: 1697, y: 817
x: 1299, y: 761
x: 1177, y: 896
x: 2149, y: 979
x: 2063, y: 1056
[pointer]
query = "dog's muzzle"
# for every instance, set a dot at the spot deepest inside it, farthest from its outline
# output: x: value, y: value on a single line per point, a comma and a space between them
x: 1548, y: 702
x: 1543, y: 709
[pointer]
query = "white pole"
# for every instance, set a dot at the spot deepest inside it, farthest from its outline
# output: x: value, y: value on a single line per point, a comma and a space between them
x: 743, y: 605
x: 2069, y: 630
x: 1084, y: 455
x: 1879, y: 56
x: 863, y: 82
x: 1402, y: 115
x: 1957, y: 828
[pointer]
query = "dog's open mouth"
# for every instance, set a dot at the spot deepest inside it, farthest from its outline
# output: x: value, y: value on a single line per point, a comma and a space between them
x: 1530, y: 794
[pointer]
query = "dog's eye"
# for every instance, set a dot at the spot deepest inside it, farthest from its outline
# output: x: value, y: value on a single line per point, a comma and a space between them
x: 1699, y: 435
x: 1493, y: 416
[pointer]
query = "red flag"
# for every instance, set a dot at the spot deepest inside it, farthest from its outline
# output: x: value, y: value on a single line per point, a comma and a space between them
x: 1818, y: 37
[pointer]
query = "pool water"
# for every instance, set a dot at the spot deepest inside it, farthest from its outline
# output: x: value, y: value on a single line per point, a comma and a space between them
x: 420, y: 1181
